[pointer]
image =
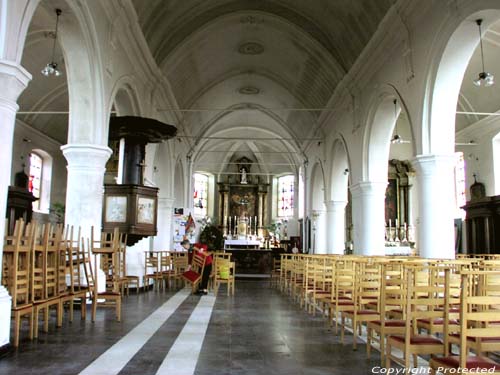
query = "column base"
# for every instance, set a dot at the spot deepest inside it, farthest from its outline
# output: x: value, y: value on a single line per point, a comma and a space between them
x: 5, y: 312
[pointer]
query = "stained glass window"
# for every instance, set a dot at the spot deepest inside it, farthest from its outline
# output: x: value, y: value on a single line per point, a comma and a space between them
x: 200, y: 195
x: 286, y: 193
x: 35, y: 178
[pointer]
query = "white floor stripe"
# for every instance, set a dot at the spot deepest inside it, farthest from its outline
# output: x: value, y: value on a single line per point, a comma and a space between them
x: 113, y: 360
x: 183, y: 355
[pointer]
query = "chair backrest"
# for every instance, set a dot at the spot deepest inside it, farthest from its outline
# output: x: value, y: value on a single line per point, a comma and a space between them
x: 479, y: 310
x: 198, y: 262
x: 427, y: 297
x: 19, y: 280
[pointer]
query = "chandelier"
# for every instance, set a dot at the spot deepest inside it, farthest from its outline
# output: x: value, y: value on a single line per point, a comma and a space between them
x: 51, y: 67
x: 484, y: 78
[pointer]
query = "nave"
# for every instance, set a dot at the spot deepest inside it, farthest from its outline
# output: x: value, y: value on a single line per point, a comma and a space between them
x: 258, y: 331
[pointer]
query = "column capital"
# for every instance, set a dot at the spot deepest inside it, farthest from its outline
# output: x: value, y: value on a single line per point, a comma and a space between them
x: 86, y: 156
x: 165, y: 203
x: 13, y: 80
x: 432, y: 163
x: 335, y: 205
x: 368, y: 188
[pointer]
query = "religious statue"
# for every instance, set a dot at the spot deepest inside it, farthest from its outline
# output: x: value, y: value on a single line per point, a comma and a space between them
x: 243, y: 176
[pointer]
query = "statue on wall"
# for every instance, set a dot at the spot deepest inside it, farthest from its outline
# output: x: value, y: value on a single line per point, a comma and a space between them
x: 243, y: 176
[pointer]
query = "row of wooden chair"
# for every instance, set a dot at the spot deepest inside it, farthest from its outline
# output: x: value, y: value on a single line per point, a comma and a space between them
x: 394, y: 298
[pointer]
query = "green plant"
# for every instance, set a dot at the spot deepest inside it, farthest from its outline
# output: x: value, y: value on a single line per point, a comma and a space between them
x: 58, y: 210
x: 212, y: 237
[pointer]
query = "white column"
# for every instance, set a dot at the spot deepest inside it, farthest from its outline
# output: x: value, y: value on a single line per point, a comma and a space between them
x: 13, y: 80
x: 436, y: 192
x: 164, y: 238
x: 84, y: 192
x: 368, y: 216
x: 190, y: 185
x: 319, y: 241
x: 335, y: 211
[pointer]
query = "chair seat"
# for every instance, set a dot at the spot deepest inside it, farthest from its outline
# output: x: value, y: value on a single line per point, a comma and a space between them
x: 191, y: 275
x: 390, y: 323
x: 108, y: 293
x: 473, y: 339
x: 439, y: 321
x: 363, y: 312
x: 472, y: 362
x: 418, y: 340
x: 28, y: 306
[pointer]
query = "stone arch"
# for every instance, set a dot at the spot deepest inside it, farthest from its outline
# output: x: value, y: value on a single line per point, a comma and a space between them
x: 338, y: 197
x: 318, y: 209
x: 125, y: 98
x: 340, y: 169
x: 381, y: 120
x: 179, y: 185
x: 450, y: 54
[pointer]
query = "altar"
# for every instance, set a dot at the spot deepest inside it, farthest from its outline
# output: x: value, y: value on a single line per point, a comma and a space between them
x: 242, y: 244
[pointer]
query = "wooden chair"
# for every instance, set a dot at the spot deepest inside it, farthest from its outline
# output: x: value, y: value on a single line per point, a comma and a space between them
x: 44, y: 285
x: 126, y: 280
x: 152, y: 270
x: 366, y: 290
x: 479, y: 312
x: 180, y: 264
x: 424, y: 300
x: 224, y: 274
x: 107, y: 256
x: 167, y: 268
x: 77, y: 265
x: 392, y: 295
x: 194, y: 275
x: 274, y: 277
x: 341, y: 296
x: 17, y: 259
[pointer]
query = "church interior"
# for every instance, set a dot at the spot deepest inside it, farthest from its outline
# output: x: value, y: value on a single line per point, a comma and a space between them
x: 249, y: 186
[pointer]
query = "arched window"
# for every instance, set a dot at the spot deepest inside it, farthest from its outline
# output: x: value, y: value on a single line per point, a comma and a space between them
x: 200, y: 195
x: 35, y: 178
x: 286, y: 192
x: 40, y: 176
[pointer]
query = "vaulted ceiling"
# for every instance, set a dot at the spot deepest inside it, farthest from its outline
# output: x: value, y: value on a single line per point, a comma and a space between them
x: 242, y: 71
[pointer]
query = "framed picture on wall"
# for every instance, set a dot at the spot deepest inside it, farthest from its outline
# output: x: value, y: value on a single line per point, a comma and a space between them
x: 116, y: 209
x: 145, y: 210
x: 391, y: 201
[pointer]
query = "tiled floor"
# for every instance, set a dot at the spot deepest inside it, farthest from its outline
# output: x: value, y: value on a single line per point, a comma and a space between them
x: 259, y: 331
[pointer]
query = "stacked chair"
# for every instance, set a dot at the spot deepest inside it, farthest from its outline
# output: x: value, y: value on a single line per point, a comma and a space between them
x: 16, y: 275
x: 106, y: 257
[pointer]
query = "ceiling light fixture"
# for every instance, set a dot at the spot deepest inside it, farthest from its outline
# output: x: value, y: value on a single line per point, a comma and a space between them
x: 484, y: 78
x: 397, y: 139
x: 51, y: 67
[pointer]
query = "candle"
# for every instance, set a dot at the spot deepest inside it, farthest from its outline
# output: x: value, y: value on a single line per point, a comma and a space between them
x: 396, y: 223
x: 389, y: 223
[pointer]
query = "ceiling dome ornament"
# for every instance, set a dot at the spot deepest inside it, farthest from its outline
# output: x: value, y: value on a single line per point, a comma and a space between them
x: 249, y: 90
x: 251, y: 48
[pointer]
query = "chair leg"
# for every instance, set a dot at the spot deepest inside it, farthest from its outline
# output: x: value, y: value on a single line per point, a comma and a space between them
x: 30, y: 316
x: 60, y: 310
x: 94, y: 308
x: 119, y: 309
x: 36, y: 314
x: 46, y: 318
x: 17, y: 324
x: 83, y: 307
